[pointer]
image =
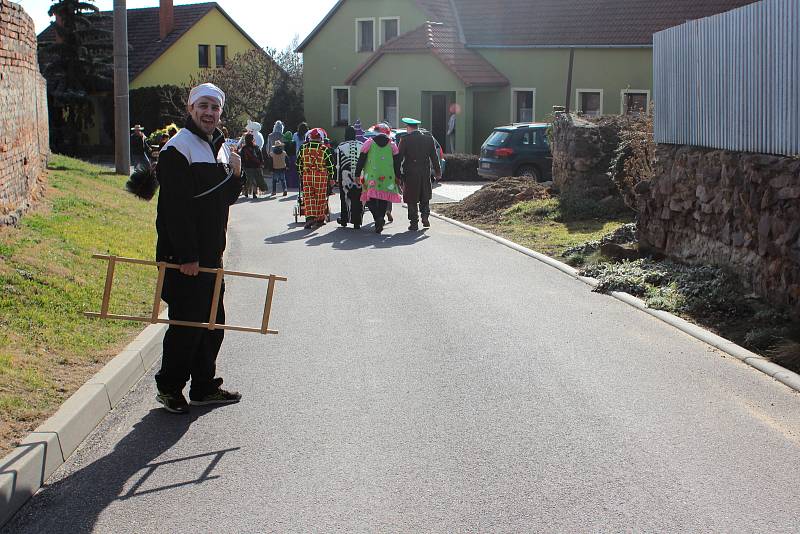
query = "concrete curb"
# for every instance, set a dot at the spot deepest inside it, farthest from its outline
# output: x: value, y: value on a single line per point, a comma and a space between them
x: 773, y: 370
x: 26, y: 468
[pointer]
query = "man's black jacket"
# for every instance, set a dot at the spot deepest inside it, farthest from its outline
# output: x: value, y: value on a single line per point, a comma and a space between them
x: 196, y: 193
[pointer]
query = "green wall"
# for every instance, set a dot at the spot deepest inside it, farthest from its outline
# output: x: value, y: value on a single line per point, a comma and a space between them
x: 331, y: 56
x: 430, y: 75
x: 545, y: 69
x: 490, y: 106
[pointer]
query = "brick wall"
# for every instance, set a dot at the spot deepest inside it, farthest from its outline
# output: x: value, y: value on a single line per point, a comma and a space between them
x: 24, y: 135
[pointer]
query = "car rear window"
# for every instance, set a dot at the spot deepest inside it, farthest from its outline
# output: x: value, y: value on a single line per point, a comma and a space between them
x: 497, y: 138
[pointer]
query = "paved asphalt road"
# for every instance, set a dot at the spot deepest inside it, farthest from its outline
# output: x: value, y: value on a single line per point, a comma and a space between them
x: 471, y: 389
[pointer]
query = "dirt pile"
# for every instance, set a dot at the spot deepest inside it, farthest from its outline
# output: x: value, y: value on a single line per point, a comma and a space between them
x: 486, y: 204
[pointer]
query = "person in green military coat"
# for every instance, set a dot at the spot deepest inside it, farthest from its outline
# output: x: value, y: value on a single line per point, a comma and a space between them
x: 417, y: 156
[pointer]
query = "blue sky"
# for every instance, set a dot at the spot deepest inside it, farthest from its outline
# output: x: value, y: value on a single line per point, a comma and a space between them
x: 270, y: 23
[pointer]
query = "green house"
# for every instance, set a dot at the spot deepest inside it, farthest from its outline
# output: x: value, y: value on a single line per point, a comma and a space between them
x: 501, y: 61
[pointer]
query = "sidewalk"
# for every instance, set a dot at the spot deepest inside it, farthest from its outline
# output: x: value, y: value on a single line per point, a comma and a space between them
x: 446, y: 192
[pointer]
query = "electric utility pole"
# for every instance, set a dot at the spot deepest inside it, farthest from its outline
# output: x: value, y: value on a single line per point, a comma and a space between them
x: 122, y: 147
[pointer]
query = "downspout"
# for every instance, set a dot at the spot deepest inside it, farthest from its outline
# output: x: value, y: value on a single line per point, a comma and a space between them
x: 569, y: 78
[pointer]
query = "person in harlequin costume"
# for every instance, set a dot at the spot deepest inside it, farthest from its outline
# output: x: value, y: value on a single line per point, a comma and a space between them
x: 349, y: 186
x: 317, y: 172
x: 380, y: 163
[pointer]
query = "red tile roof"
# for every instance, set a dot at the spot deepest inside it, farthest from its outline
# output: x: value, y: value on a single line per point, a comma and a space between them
x: 523, y: 23
x: 463, y: 24
x: 145, y: 45
x: 578, y: 22
x: 443, y: 42
x: 439, y: 11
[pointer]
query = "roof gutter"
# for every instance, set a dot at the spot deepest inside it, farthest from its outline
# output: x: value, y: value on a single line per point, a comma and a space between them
x: 316, y: 30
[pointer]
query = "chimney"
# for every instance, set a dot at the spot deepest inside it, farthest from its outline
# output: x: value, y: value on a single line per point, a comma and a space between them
x: 59, y: 23
x: 166, y: 18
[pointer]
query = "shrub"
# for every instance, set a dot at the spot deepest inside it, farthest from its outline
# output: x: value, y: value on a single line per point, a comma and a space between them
x: 577, y: 207
x: 461, y: 167
x: 152, y: 106
x: 704, y: 291
x: 634, y: 156
x: 765, y: 337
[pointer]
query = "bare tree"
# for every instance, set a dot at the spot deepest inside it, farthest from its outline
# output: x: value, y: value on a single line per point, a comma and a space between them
x: 248, y: 80
x: 263, y: 85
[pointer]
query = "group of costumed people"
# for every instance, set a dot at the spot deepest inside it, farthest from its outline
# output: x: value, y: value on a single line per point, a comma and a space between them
x: 201, y: 176
x: 277, y: 152
x: 373, y: 171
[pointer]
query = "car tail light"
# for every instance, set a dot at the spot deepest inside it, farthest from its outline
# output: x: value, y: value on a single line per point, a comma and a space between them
x: 503, y: 152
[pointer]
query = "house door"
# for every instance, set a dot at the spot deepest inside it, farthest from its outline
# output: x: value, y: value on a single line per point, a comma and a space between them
x: 439, y: 117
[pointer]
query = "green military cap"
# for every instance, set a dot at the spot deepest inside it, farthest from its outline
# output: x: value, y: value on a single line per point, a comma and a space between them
x: 410, y: 121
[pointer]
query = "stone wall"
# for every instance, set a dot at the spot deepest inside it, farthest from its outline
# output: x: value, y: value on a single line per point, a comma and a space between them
x: 582, y: 154
x: 734, y: 209
x: 24, y: 135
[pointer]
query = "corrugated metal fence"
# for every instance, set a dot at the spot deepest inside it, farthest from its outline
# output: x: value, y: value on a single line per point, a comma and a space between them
x: 731, y: 81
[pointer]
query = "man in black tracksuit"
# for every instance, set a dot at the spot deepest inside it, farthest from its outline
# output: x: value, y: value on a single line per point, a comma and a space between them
x: 200, y: 178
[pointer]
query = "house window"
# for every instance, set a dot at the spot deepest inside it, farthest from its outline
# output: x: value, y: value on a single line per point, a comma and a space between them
x: 365, y: 35
x: 340, y: 101
x: 590, y: 101
x: 387, y: 105
x: 522, y: 105
x: 202, y: 51
x: 390, y: 28
x: 220, y: 50
x: 635, y: 101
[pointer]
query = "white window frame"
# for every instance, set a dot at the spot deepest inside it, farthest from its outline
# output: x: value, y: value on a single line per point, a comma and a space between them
x: 382, y: 37
x: 626, y: 91
x: 397, y: 98
x: 358, y: 34
x: 578, y: 98
x: 514, y: 91
x: 334, y: 103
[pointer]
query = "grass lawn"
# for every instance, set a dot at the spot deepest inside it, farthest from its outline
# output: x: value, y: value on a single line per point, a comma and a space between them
x: 48, y: 279
x: 546, y: 227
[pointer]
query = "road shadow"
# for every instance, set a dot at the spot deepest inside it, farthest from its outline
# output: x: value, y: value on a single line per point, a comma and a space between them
x: 291, y: 197
x: 74, y: 503
x: 251, y: 200
x: 349, y: 238
x: 296, y: 232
